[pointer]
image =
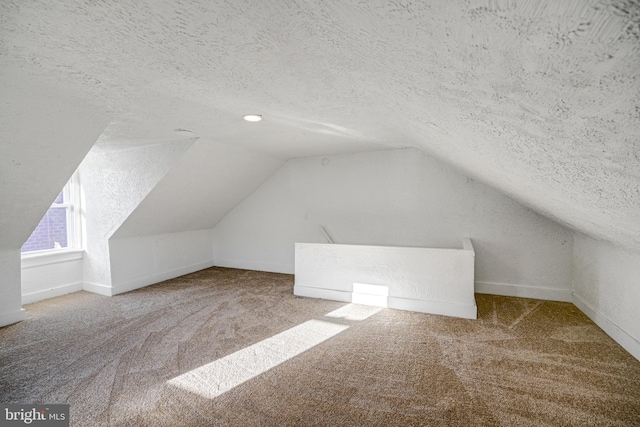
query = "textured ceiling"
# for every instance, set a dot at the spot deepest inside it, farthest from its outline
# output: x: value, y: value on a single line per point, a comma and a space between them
x: 540, y: 99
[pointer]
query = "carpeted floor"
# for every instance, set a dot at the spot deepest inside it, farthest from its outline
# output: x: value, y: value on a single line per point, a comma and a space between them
x: 116, y: 360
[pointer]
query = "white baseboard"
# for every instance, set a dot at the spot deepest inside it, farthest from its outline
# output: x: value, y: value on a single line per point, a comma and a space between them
x: 523, y: 291
x: 98, y: 288
x: 51, y: 293
x: 627, y: 342
x: 13, y: 317
x: 157, y: 278
x: 465, y: 311
x: 257, y: 266
x: 329, y: 294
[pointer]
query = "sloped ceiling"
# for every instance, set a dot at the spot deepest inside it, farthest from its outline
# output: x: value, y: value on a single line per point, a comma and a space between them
x: 540, y: 99
x: 39, y: 150
x: 205, y: 184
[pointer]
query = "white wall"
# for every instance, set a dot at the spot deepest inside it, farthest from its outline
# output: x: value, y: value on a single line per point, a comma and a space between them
x: 209, y: 180
x: 44, y: 134
x: 51, y: 275
x: 114, y: 182
x: 606, y: 287
x: 145, y: 260
x: 169, y: 233
x: 428, y: 280
x: 135, y: 262
x: 132, y: 193
x: 11, y: 302
x: 396, y: 198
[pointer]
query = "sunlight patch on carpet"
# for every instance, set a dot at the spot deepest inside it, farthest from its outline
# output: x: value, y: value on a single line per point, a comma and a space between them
x: 220, y: 376
x: 353, y: 312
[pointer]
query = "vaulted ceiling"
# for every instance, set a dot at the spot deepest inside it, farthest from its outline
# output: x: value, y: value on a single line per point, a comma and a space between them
x: 540, y: 98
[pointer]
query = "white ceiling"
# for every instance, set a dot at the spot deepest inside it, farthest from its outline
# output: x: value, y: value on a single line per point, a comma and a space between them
x: 540, y: 99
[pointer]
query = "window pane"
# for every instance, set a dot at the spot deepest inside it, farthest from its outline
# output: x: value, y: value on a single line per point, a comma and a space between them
x: 51, y: 233
x: 60, y: 198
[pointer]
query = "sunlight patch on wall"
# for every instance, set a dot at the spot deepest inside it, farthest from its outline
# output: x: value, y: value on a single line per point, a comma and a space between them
x: 374, y: 295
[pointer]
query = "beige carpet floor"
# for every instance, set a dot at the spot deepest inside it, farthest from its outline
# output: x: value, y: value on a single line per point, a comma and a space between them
x: 115, y: 360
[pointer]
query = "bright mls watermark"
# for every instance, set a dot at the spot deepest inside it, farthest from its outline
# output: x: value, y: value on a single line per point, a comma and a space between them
x: 34, y: 415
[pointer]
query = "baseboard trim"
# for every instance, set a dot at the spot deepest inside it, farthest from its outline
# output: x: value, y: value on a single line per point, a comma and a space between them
x: 160, y: 277
x: 32, y: 297
x: 257, y: 266
x: 7, y: 319
x: 328, y: 294
x: 618, y: 334
x: 465, y: 311
x: 97, y: 288
x: 523, y: 291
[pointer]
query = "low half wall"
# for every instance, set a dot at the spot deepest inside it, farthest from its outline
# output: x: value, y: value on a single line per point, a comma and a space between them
x: 427, y: 280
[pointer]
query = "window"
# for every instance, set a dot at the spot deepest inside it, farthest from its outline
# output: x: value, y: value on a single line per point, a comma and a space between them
x: 60, y: 226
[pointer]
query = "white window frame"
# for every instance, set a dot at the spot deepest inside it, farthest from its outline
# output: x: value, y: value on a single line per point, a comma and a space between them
x: 74, y: 249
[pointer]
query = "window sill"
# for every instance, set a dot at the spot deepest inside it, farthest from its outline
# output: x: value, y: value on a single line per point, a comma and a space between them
x: 38, y: 258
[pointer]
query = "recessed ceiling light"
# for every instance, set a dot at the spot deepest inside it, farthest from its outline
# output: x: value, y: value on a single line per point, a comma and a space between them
x: 252, y: 117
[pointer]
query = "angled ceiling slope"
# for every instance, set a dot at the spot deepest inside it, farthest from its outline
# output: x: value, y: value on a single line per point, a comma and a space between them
x: 540, y: 99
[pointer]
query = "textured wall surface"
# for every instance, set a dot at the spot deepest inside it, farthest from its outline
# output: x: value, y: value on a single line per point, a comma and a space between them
x: 392, y: 198
x: 538, y: 98
x: 44, y: 133
x: 199, y: 190
x: 427, y: 280
x: 115, y: 181
x: 142, y: 261
x: 606, y: 282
